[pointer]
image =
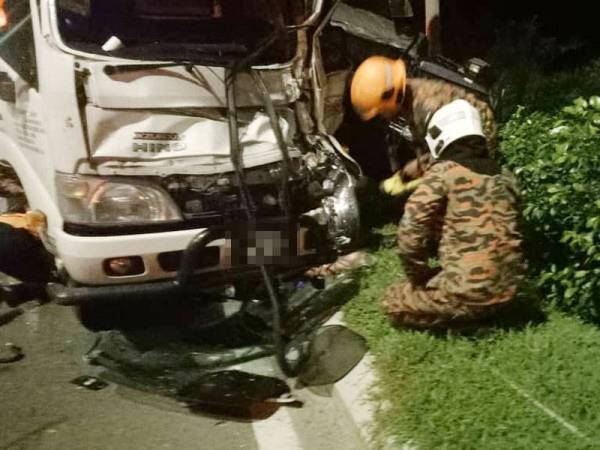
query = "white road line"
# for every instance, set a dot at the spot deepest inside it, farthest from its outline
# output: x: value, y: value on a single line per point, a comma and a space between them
x: 549, y: 412
x: 277, y: 432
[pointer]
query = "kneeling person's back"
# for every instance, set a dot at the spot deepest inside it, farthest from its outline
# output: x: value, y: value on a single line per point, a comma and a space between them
x: 479, y: 242
x: 465, y: 212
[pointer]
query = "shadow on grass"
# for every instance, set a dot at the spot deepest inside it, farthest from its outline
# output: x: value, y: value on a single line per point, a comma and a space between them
x: 378, y: 210
x: 523, y: 313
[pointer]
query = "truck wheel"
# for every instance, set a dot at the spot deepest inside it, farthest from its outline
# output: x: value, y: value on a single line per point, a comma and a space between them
x: 98, y: 317
x: 129, y: 314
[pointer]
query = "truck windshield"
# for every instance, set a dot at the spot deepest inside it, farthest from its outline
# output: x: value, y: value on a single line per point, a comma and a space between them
x: 187, y: 30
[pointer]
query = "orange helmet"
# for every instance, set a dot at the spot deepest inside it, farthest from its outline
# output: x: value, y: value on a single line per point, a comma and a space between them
x: 3, y: 16
x: 378, y: 87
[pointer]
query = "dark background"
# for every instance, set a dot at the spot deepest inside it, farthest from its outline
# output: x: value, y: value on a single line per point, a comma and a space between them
x: 471, y: 27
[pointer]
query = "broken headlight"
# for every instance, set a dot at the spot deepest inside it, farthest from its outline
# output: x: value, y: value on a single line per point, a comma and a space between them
x: 113, y: 201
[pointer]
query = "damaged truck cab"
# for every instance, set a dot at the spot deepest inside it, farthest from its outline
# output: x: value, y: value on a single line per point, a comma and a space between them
x: 169, y: 140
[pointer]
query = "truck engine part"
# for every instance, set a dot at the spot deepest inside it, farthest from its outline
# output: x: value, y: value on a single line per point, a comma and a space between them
x: 336, y: 188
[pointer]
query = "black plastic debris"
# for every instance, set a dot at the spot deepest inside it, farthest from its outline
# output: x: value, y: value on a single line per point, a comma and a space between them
x: 310, y: 307
x: 236, y: 394
x: 370, y: 26
x: 16, y: 354
x: 334, y: 351
x: 90, y: 382
x: 189, y: 355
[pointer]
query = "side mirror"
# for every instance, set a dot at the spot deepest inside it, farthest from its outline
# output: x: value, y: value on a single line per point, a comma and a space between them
x: 7, y: 88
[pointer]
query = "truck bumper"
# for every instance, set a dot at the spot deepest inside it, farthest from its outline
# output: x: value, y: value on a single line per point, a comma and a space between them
x: 84, y: 258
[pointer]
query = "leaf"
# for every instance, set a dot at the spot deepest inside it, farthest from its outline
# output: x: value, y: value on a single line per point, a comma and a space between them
x: 558, y: 161
x: 580, y: 102
x: 566, y: 237
x: 593, y: 222
x: 595, y: 102
x: 572, y: 110
x: 570, y: 292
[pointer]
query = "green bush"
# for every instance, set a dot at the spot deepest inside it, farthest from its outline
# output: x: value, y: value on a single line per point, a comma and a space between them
x: 556, y: 157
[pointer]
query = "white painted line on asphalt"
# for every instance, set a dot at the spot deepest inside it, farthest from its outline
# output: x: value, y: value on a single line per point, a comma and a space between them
x: 546, y: 410
x: 352, y: 394
x: 277, y: 432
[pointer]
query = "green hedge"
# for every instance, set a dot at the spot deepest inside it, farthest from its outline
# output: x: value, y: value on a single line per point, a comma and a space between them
x: 556, y: 157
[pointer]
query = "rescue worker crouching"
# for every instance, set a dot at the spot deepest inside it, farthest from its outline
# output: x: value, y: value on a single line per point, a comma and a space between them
x: 381, y: 87
x: 465, y: 212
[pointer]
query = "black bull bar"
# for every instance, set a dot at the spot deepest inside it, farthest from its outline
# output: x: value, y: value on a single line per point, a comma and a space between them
x: 187, y: 282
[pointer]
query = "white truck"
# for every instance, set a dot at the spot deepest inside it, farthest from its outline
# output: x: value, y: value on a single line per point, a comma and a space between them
x: 175, y: 142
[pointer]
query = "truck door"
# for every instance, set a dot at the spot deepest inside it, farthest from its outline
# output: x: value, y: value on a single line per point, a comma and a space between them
x: 20, y: 103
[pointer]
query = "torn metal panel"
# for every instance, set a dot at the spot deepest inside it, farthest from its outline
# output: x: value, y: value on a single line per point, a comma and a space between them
x: 370, y: 26
x: 334, y: 100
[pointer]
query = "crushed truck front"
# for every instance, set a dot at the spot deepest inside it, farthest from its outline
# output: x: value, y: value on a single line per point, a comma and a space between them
x: 130, y: 149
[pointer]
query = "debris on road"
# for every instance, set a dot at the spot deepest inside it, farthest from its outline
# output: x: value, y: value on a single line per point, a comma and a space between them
x: 90, y: 382
x: 16, y: 354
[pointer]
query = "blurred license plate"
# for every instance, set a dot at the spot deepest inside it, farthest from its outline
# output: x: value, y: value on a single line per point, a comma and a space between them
x: 263, y: 244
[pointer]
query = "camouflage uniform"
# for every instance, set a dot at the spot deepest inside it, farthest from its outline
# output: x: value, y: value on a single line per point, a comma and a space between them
x: 469, y: 221
x: 426, y: 96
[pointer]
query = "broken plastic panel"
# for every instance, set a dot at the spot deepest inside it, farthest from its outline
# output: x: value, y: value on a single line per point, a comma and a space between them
x: 193, y: 360
x: 369, y: 26
x: 236, y: 394
x: 334, y: 351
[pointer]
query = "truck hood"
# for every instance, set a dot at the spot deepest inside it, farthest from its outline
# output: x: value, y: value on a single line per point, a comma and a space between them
x: 144, y: 118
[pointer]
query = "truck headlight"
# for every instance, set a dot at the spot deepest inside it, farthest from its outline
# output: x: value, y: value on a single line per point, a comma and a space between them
x: 113, y: 201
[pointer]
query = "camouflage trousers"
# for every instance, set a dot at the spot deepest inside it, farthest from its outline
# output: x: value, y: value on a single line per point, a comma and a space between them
x: 424, y: 307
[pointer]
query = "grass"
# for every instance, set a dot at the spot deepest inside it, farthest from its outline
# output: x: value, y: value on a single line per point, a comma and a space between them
x: 532, y: 387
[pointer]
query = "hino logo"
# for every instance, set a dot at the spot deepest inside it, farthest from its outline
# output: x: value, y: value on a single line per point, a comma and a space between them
x: 169, y: 142
x: 158, y: 147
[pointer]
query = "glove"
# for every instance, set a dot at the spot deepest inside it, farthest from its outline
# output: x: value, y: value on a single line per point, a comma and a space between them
x: 395, y: 186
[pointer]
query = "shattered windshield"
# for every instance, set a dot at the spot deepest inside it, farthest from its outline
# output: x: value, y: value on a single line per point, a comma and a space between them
x: 190, y: 30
